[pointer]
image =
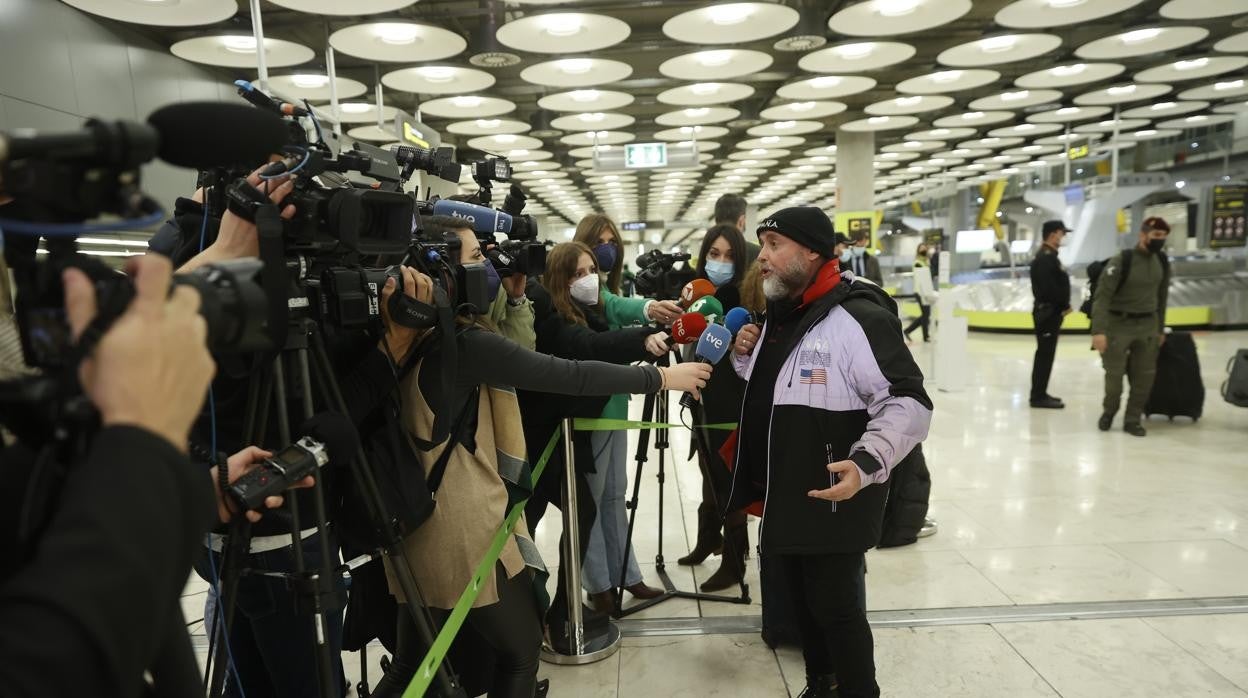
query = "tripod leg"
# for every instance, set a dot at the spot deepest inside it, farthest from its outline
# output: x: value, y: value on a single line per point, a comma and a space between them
x: 643, y: 445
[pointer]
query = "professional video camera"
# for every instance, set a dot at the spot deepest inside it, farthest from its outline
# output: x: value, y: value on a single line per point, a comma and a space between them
x: 657, y: 276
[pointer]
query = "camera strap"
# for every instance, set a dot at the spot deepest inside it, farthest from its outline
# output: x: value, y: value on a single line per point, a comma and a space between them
x: 457, y: 437
x: 273, y: 274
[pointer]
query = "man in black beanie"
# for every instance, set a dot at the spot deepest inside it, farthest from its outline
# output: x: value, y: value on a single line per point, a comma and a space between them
x: 834, y: 402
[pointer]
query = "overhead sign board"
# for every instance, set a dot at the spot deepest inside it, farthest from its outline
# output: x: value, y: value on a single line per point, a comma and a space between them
x: 1228, y: 216
x: 644, y: 155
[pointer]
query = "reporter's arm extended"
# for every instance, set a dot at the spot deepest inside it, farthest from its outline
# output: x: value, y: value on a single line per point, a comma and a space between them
x: 622, y: 311
x: 492, y: 359
x: 114, y: 554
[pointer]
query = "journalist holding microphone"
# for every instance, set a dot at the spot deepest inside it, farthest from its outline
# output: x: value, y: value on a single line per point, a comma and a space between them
x: 833, y: 403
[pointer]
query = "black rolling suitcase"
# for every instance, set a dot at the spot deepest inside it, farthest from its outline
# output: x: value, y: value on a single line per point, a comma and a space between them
x: 1177, y: 390
x: 779, y: 616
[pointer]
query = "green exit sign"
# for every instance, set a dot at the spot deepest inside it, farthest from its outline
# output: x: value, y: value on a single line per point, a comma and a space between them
x: 640, y: 155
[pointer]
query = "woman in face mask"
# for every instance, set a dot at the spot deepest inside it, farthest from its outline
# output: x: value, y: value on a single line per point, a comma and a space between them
x: 722, y: 261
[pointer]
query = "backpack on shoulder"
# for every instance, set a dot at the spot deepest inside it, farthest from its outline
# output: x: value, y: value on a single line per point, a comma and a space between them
x: 1094, y: 275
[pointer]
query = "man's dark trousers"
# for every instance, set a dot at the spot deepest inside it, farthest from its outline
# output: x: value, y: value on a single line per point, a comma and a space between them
x: 832, y: 618
x: 1048, y: 323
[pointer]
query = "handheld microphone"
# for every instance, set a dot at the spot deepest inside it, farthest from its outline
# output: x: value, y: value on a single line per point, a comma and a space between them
x: 688, y: 328
x: 481, y: 219
x: 712, y: 346
x: 737, y: 318
x: 330, y: 437
x: 248, y: 91
x: 698, y: 288
x: 708, y: 307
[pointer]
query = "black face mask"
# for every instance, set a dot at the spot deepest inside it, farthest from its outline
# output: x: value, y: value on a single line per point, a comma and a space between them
x: 1155, y: 245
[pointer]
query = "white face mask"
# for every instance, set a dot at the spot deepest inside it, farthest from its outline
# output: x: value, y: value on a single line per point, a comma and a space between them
x: 585, y: 289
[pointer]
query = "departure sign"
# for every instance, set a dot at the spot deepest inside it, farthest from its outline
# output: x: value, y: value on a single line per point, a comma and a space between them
x: 643, y: 155
x: 1077, y: 152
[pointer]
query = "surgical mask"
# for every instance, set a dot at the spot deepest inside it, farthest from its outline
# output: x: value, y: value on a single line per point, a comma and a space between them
x: 1156, y: 245
x: 585, y: 289
x: 492, y: 280
x: 606, y: 254
x: 718, y: 272
x: 857, y: 251
x: 846, y: 255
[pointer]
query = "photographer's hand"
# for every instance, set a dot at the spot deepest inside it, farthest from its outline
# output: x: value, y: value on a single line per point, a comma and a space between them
x: 239, y: 465
x: 664, y: 312
x: 398, y: 340
x: 151, y: 369
x: 237, y: 238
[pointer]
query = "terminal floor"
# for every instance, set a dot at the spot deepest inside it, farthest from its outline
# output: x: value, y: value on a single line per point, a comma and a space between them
x: 1034, y: 507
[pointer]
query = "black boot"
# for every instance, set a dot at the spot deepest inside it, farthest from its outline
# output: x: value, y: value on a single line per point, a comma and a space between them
x: 710, y: 540
x: 819, y: 687
x: 732, y: 568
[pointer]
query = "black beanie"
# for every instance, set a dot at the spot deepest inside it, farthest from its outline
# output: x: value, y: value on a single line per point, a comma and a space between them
x: 805, y: 225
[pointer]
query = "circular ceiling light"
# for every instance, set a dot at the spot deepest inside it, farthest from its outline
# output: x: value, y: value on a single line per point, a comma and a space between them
x: 893, y: 17
x: 681, y: 134
x: 914, y: 147
x: 338, y: 7
x: 1069, y: 74
x: 438, y: 80
x: 523, y: 158
x: 576, y: 72
x: 963, y: 153
x: 1068, y: 115
x: 485, y: 127
x: 1236, y: 43
x: 759, y: 153
x: 727, y: 23
x: 715, y: 64
x: 1109, y: 125
x: 997, y: 50
x: 239, y: 51
x: 503, y: 143
x: 1024, y: 130
x: 1192, y: 68
x: 704, y: 93
x: 1141, y: 41
x: 1016, y: 99
x: 184, y: 13
x: 397, y: 42
x: 467, y: 106
x: 909, y: 104
x: 1161, y: 110
x: 941, y: 134
x: 1122, y: 94
x: 1197, y: 121
x: 563, y: 32
x: 697, y: 116
x: 1203, y: 9
x: 360, y: 113
x: 1038, y: 14
x: 1233, y: 108
x: 990, y: 143
x: 880, y: 123
x: 771, y: 142
x: 598, y: 121
x: 973, y: 119
x: 803, y: 110
x: 785, y: 128
x: 585, y: 100
x: 374, y: 134
x: 892, y: 154
x: 856, y: 57
x: 1223, y: 89
x: 314, y: 86
x: 825, y: 87
x: 946, y: 81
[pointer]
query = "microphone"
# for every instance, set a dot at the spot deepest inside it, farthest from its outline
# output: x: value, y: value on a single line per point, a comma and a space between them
x: 688, y: 328
x: 200, y: 135
x: 737, y: 318
x: 329, y: 437
x: 708, y: 307
x: 712, y: 346
x: 248, y: 91
x: 698, y: 288
x: 481, y: 219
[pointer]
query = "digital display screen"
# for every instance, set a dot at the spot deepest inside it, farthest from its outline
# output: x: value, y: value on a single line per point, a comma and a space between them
x: 974, y: 240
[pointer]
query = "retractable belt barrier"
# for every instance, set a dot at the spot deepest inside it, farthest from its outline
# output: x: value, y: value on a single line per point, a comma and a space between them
x: 437, y: 653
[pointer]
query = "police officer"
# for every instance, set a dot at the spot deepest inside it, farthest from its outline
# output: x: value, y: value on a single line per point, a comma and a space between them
x: 1128, y: 322
x: 1050, y: 286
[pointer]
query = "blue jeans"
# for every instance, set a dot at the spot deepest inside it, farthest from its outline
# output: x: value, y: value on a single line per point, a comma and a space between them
x: 601, y: 567
x: 271, y: 641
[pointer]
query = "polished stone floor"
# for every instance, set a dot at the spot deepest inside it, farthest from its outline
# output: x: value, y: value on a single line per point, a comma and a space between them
x: 1034, y: 507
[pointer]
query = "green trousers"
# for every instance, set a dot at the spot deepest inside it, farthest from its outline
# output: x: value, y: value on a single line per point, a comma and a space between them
x: 1133, y: 344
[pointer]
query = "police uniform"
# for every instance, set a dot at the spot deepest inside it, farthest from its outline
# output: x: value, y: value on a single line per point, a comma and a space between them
x: 1130, y: 311
x: 1050, y: 287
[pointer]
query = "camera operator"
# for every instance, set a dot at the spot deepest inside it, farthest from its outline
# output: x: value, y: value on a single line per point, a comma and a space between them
x: 94, y: 603
x: 473, y: 496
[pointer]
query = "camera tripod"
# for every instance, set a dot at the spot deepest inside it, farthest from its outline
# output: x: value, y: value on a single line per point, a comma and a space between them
x: 315, y: 589
x: 656, y: 406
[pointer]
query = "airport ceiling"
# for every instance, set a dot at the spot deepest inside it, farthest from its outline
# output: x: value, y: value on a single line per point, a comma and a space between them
x: 953, y: 89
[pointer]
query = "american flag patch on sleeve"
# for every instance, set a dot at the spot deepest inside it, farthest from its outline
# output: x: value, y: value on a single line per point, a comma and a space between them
x: 814, y: 376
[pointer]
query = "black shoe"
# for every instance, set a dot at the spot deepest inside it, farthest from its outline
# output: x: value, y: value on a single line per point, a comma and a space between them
x: 1135, y: 429
x: 1048, y: 403
x: 1055, y: 398
x: 732, y: 567
x: 819, y: 687
x: 1105, y: 422
x: 710, y: 538
x: 541, y: 689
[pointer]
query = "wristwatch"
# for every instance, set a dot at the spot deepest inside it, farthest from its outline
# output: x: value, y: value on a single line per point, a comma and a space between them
x: 517, y: 302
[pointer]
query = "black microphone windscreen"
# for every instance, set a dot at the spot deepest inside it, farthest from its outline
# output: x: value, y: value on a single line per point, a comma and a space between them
x: 336, y: 432
x: 204, y: 135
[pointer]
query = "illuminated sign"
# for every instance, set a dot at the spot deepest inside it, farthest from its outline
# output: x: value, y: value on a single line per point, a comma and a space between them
x: 643, y: 155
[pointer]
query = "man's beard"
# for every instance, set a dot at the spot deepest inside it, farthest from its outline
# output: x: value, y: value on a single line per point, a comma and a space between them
x: 785, y: 282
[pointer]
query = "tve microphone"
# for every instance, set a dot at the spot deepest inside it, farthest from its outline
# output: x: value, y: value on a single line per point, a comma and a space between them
x: 708, y: 307
x: 712, y: 346
x: 694, y: 290
x: 330, y: 437
x: 248, y: 91
x: 480, y: 218
x: 737, y: 318
x: 688, y: 328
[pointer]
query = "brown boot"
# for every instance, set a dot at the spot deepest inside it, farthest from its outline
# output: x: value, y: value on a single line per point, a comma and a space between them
x: 604, y: 602
x: 732, y: 569
x: 710, y: 540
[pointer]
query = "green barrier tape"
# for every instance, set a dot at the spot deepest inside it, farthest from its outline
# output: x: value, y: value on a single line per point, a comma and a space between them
x: 626, y: 424
x: 485, y: 570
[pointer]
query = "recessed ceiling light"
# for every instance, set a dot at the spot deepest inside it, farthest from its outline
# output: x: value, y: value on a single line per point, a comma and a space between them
x: 1146, y: 132
x: 518, y: 153
x: 592, y: 117
x: 467, y: 102
x: 770, y: 139
x: 575, y: 66
x: 728, y: 15
x: 1068, y: 110
x: 946, y: 76
x: 437, y: 73
x: 239, y: 44
x: 878, y: 120
x: 696, y: 112
x: 973, y: 115
x: 1122, y: 89
x: 505, y: 138
x: 908, y: 101
x: 1229, y: 85
x: 314, y: 81
x: 784, y: 125
x: 1162, y: 105
x: 997, y: 44
x: 1065, y: 3
x: 820, y: 158
x: 704, y: 88
x: 807, y: 106
x: 758, y: 151
x: 1195, y: 119
x: 851, y: 52
x: 1193, y: 64
x: 397, y: 34
x: 826, y: 81
x: 1065, y: 71
x: 563, y: 24
x: 1140, y: 35
x: 355, y: 107
x: 584, y: 95
x: 1025, y: 127
x: 1014, y: 96
x: 896, y: 8
x: 488, y: 123
x: 1032, y: 148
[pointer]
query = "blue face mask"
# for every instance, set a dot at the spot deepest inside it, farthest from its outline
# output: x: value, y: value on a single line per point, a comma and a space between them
x: 606, y: 255
x: 718, y: 272
x: 492, y: 280
x: 846, y: 255
x: 857, y: 251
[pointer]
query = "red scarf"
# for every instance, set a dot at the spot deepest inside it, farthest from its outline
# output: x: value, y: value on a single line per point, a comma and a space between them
x: 826, y: 279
